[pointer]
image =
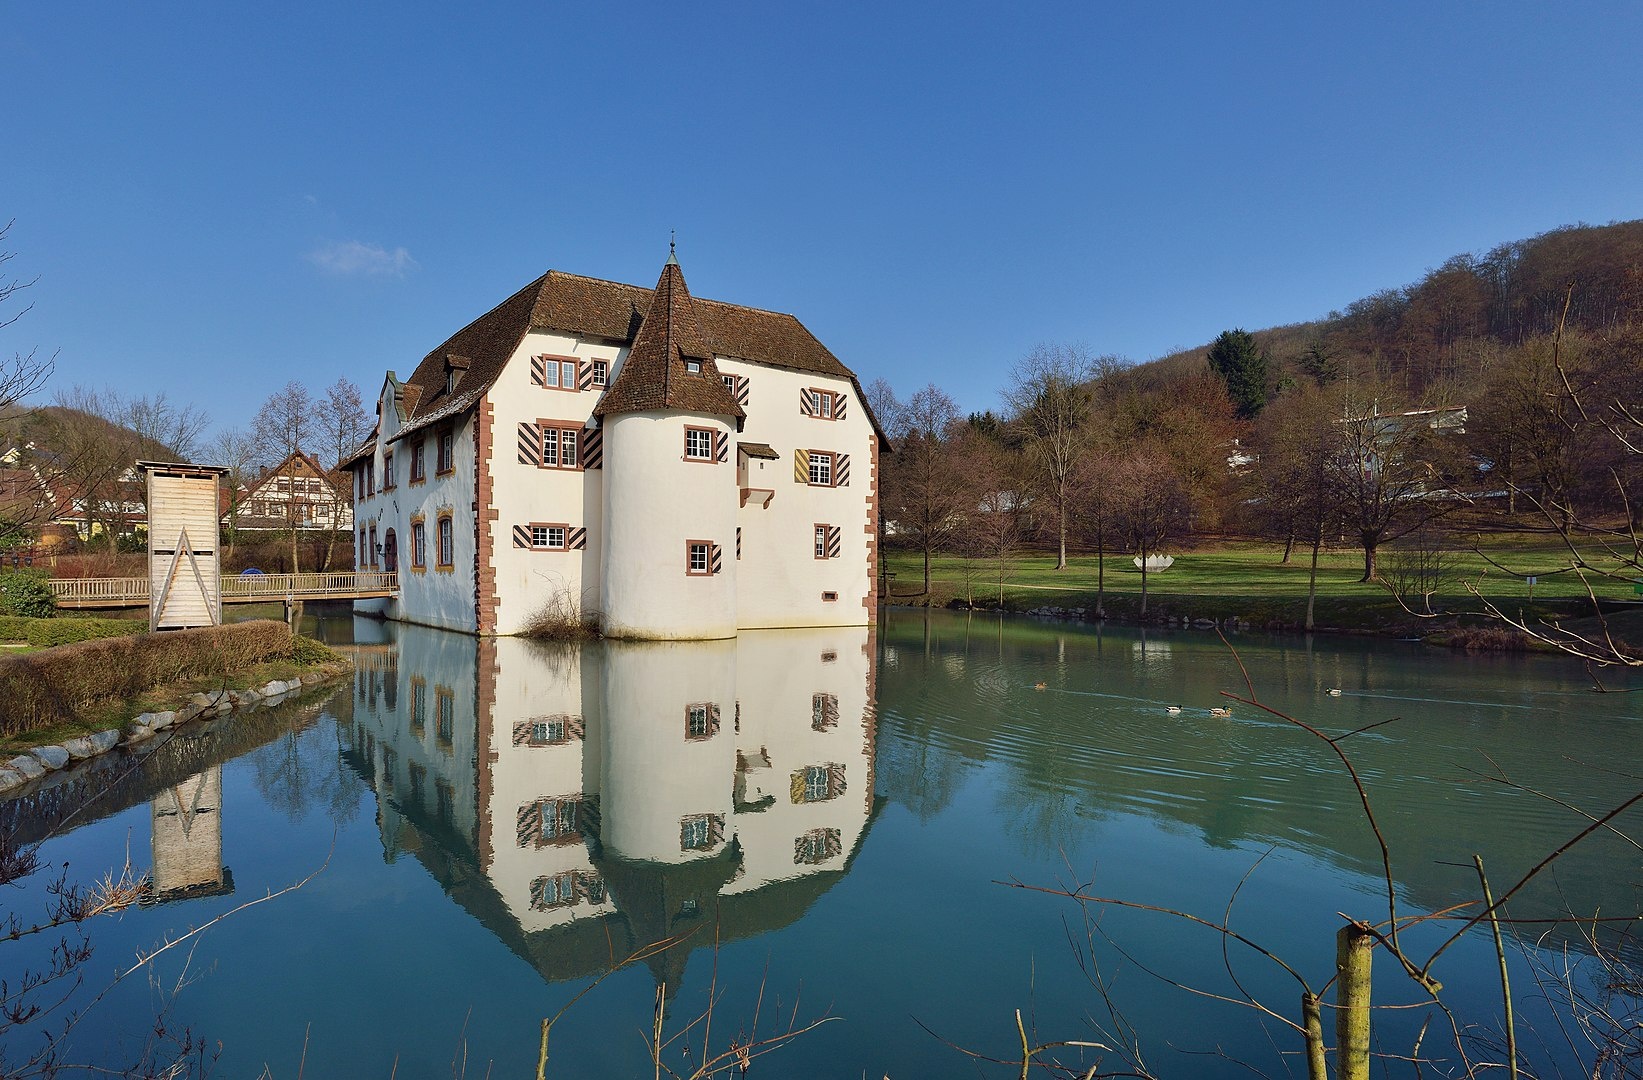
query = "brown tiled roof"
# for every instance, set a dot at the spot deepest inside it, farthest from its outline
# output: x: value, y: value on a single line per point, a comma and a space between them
x: 655, y: 376
x: 569, y: 303
x: 759, y: 450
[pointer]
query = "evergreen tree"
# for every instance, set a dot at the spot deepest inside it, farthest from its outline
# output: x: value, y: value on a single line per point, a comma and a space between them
x: 1241, y: 364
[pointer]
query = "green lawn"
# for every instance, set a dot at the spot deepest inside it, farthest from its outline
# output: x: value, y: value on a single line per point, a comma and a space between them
x: 1245, y: 579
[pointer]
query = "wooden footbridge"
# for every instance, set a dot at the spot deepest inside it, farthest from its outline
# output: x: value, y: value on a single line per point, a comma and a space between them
x: 133, y: 592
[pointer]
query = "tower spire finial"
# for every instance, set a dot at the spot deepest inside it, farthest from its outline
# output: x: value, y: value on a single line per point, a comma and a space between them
x: 673, y: 259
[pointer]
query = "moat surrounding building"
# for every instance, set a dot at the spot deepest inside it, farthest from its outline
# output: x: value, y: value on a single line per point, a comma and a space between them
x: 574, y: 796
x: 666, y: 466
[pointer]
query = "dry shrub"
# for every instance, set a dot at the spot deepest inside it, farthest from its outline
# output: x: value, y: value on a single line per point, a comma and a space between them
x: 99, y: 565
x: 561, y: 617
x: 54, y: 686
x: 1487, y: 639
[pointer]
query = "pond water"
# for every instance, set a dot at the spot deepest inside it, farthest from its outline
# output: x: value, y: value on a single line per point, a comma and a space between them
x: 834, y: 823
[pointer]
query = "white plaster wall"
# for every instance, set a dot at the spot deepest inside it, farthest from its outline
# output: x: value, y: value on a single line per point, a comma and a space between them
x: 779, y: 580
x: 444, y: 663
x: 534, y: 680
x: 434, y: 597
x: 524, y: 493
x: 652, y: 775
x: 655, y: 501
x: 778, y: 674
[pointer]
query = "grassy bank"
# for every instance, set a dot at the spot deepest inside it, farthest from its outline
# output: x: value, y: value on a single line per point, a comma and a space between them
x: 1247, y: 580
x: 96, y: 685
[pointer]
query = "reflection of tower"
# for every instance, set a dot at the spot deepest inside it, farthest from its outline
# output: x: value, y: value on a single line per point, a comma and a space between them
x: 188, y: 838
x: 669, y: 762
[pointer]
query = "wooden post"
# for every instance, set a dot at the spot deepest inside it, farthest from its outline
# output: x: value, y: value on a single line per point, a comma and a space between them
x: 1312, y: 1019
x: 1354, y: 948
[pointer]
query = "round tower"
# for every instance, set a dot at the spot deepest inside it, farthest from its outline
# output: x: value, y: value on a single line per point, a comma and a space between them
x: 670, y: 495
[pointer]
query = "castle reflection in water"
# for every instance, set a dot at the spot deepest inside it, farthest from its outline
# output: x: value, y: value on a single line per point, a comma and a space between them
x: 583, y: 801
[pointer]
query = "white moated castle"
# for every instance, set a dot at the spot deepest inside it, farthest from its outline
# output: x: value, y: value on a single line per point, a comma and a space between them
x: 673, y: 467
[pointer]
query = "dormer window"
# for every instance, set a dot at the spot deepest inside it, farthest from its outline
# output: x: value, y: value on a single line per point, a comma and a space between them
x: 693, y: 366
x: 454, y: 367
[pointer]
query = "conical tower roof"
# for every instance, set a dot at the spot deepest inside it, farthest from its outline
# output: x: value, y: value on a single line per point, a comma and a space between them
x: 657, y: 375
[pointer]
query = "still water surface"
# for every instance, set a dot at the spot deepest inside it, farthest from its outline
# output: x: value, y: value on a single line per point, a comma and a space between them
x: 845, y: 813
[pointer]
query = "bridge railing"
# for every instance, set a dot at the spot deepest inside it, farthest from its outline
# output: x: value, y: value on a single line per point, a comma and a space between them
x: 91, y: 590
x: 307, y: 586
x: 134, y: 591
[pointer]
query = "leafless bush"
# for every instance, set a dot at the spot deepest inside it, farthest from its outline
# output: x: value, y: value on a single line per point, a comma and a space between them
x: 561, y: 616
x: 1487, y: 639
x: 1420, y: 565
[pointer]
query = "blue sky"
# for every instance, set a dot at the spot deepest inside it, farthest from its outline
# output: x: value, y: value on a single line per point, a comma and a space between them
x: 218, y: 199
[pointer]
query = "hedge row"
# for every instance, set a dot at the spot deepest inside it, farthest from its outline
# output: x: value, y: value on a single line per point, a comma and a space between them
x: 54, y: 686
x: 46, y: 632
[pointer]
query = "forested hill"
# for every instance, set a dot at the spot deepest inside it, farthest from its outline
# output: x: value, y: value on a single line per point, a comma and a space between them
x: 1446, y: 328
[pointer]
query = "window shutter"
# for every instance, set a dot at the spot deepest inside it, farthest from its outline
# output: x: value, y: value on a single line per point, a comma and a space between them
x: 738, y: 541
x: 841, y: 470
x: 584, y: 376
x: 593, y: 447
x: 715, y: 558
x: 835, y: 537
x: 839, y: 404
x: 721, y: 446
x: 530, y: 824
x: 795, y: 790
x: 577, y: 540
x: 807, y: 403
x: 539, y: 370
x: 530, y: 444
x: 521, y: 536
x: 835, y: 781
x: 741, y: 390
x: 801, y: 466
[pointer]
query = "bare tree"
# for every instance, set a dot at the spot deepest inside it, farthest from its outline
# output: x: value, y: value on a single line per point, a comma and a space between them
x: 162, y: 429
x: 87, y: 456
x: 342, y: 424
x: 927, y: 494
x: 235, y: 451
x: 284, y: 427
x: 1395, y: 473
x: 21, y: 374
x: 1301, y: 453
x: 1095, y: 503
x: 1152, y: 507
x: 24, y: 491
x: 1052, y: 407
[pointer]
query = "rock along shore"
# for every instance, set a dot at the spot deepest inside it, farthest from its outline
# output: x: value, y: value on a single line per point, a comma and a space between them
x: 34, y: 764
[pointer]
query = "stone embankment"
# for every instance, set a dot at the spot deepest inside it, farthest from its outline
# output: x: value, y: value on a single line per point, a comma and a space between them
x: 42, y: 760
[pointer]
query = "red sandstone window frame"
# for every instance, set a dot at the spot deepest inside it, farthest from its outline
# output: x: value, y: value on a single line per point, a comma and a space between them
x: 560, y: 366
x: 600, y: 373
x: 813, y: 456
x: 706, y: 547
x: 701, y: 721
x: 819, y: 540
x: 560, y: 429
x: 387, y: 470
x: 824, y: 403
x: 564, y: 538
x: 706, y: 432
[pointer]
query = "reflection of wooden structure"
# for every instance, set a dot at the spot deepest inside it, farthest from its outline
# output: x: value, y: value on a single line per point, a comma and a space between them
x: 184, y: 587
x: 188, y: 839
